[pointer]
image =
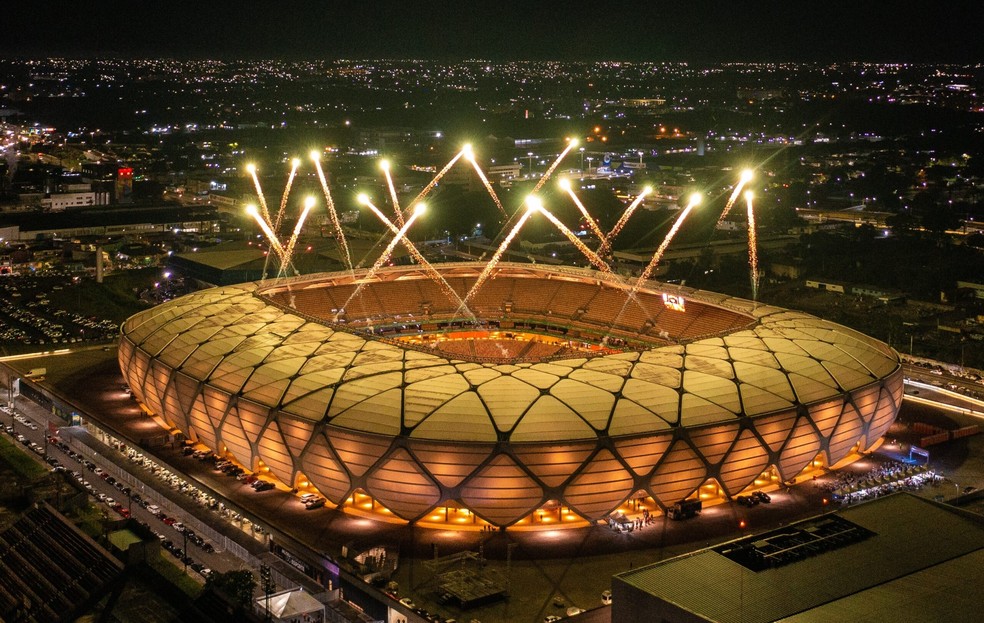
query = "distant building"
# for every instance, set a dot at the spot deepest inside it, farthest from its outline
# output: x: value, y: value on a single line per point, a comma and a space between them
x: 899, y: 557
x: 826, y: 286
x: 68, y: 201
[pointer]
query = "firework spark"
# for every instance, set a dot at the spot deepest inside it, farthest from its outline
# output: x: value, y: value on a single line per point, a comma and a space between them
x: 289, y: 252
x: 437, y: 178
x: 565, y: 184
x: 485, y: 181
x: 294, y: 163
x: 531, y: 203
x: 606, y: 242
x: 746, y: 177
x: 416, y: 255
x: 752, y: 246
x: 264, y: 211
x: 385, y: 166
x: 265, y: 227
x: 571, y: 144
x: 694, y: 202
x: 588, y: 253
x: 332, y: 213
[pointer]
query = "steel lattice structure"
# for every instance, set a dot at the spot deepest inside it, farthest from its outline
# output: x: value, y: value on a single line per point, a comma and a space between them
x: 289, y: 374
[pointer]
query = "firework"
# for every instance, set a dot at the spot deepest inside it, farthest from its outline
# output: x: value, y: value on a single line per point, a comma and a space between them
x: 565, y: 184
x: 332, y: 213
x: 385, y: 166
x: 289, y: 253
x: 694, y: 202
x: 571, y: 144
x: 416, y: 254
x: 580, y: 246
x: 294, y: 163
x: 531, y: 206
x: 264, y: 211
x: 752, y: 246
x: 485, y: 181
x: 746, y: 176
x: 606, y: 242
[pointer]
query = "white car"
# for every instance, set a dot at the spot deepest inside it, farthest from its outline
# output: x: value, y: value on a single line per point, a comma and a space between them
x: 308, y: 496
x: 606, y: 598
x: 153, y: 509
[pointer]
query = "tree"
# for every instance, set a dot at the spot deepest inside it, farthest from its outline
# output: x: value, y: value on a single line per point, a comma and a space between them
x: 238, y: 586
x: 939, y: 220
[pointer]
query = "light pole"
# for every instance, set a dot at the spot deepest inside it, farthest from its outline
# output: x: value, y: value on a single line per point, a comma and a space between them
x: 582, y: 159
x: 589, y: 164
x: 529, y: 154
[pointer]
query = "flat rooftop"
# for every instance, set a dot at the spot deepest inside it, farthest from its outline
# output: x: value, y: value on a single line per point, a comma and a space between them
x: 920, y: 562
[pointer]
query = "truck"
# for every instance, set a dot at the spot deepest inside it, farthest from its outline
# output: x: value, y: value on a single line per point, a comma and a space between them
x: 684, y: 509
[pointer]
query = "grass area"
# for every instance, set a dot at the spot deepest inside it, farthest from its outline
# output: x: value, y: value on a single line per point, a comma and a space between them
x: 116, y: 298
x: 89, y: 519
x: 18, y: 460
x: 61, y: 367
x: 164, y: 565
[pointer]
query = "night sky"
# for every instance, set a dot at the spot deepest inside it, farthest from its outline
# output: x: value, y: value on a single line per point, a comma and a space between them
x: 698, y: 30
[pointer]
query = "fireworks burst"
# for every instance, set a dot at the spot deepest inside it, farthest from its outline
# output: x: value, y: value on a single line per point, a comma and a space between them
x: 385, y: 166
x: 693, y: 203
x: 294, y: 163
x: 606, y: 242
x: 485, y: 181
x: 437, y: 178
x: 289, y: 252
x: 752, y: 246
x: 588, y: 253
x: 565, y: 184
x: 746, y: 177
x: 571, y: 144
x: 531, y: 206
x: 416, y: 255
x: 332, y: 212
x: 264, y: 210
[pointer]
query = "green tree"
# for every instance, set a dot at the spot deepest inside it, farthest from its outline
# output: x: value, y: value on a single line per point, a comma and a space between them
x: 939, y: 220
x: 238, y: 586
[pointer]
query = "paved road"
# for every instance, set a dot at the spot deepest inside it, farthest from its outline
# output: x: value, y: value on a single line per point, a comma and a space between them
x: 99, y: 470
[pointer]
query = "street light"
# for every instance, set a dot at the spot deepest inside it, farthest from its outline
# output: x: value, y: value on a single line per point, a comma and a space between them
x: 582, y: 159
x: 529, y: 154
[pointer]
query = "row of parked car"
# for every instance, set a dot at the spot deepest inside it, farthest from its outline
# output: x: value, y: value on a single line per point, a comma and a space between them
x: 754, y: 499
x: 311, y: 501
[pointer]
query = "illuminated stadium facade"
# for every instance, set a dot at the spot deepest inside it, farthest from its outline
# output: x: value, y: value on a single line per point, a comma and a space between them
x: 560, y: 391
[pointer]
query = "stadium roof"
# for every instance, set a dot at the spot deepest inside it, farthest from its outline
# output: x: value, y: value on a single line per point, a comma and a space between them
x: 239, y: 342
x: 921, y: 564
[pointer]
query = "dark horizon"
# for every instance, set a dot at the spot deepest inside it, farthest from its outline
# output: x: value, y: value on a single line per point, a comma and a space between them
x: 698, y: 31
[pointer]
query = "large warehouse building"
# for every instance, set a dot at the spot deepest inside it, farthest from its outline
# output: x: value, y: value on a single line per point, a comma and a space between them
x: 554, y: 388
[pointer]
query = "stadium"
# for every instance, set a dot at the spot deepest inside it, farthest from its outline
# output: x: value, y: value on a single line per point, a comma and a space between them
x: 555, y: 396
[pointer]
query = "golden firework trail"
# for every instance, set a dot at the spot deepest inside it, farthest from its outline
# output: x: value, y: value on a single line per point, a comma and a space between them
x: 746, y: 176
x: 385, y: 166
x: 592, y: 223
x: 571, y: 144
x: 606, y: 242
x: 283, y: 200
x: 332, y: 213
x: 752, y: 247
x: 588, y: 253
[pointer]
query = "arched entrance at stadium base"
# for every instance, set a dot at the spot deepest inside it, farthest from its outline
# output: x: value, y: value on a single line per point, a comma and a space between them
x: 552, y: 514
